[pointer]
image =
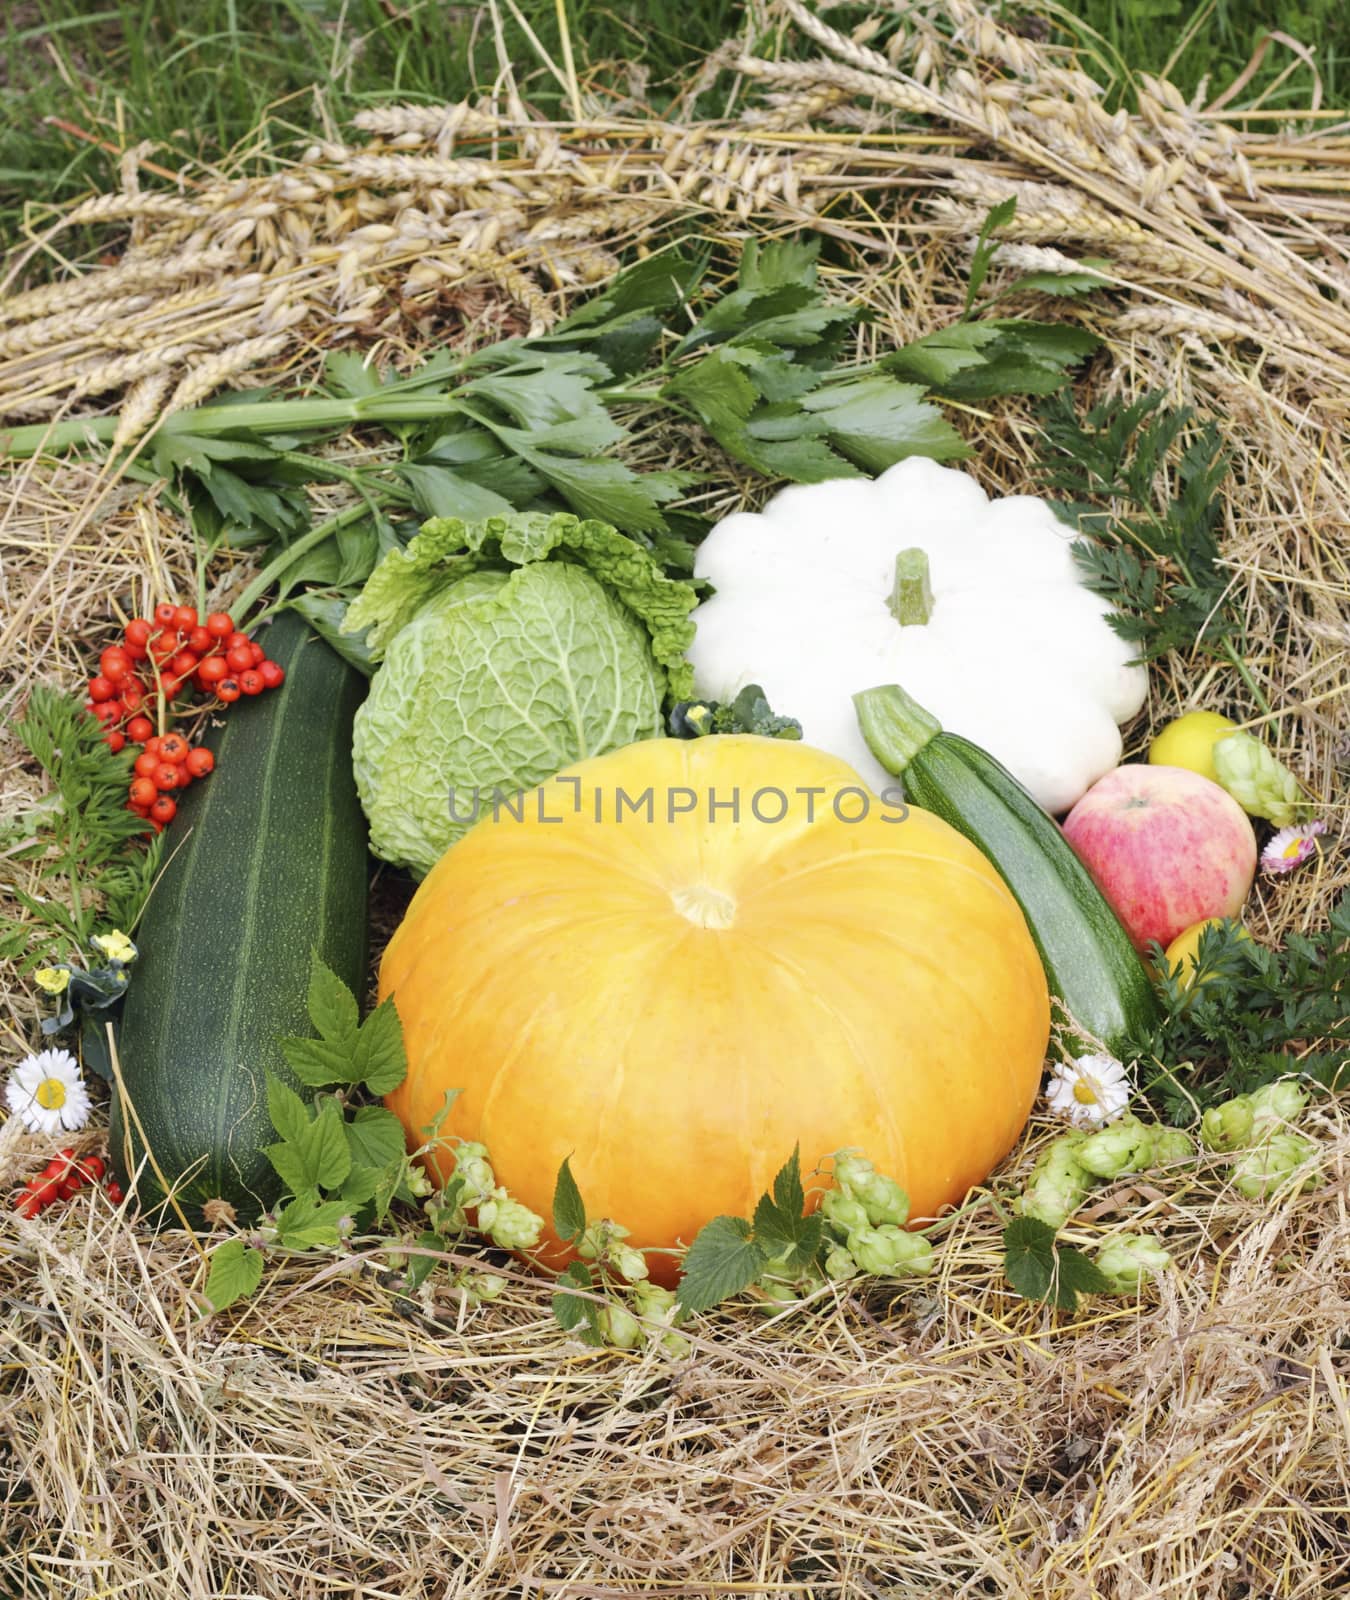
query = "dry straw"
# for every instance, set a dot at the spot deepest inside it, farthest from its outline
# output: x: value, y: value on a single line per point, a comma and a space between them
x: 956, y: 1441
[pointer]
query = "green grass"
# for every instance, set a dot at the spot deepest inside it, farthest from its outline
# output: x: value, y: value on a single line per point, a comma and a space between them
x: 199, y: 77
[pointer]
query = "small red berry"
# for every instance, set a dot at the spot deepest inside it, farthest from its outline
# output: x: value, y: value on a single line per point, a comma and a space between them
x: 185, y: 618
x: 108, y: 712
x: 239, y: 658
x: 252, y: 682
x: 173, y: 747
x: 199, y: 762
x: 273, y: 674
x: 166, y: 614
x: 219, y: 625
x: 199, y: 641
x: 140, y: 729
x: 165, y: 809
x: 92, y: 1167
x: 101, y: 689
x: 236, y: 639
x: 55, y: 1168
x: 213, y: 669
x: 183, y: 665
x: 228, y: 690
x: 133, y: 694
x: 138, y: 632
x: 115, y: 740
x: 143, y: 793
x: 258, y: 653
x: 162, y: 646
x: 115, y: 1193
x: 166, y: 775
x: 71, y: 1187
x: 114, y: 663
x: 27, y: 1205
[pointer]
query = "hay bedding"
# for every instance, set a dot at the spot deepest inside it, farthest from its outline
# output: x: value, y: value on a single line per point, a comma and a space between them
x: 956, y: 1441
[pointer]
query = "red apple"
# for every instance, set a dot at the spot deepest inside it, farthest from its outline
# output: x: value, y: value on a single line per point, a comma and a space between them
x: 1166, y: 847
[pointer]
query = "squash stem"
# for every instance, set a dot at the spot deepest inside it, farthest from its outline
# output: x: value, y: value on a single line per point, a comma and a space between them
x: 911, y: 600
x: 895, y: 726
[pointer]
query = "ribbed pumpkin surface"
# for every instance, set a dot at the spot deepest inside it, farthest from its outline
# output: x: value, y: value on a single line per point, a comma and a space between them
x: 675, y: 1004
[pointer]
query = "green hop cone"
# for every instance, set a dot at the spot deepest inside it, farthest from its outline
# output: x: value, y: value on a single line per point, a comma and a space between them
x: 513, y: 1226
x: 852, y: 1172
x: 1228, y: 1126
x: 1131, y: 1260
x: 889, y: 1252
x: 619, y: 1327
x: 1275, y: 1104
x: 651, y: 1300
x: 1126, y: 1146
x: 485, y: 1285
x: 1172, y: 1147
x: 475, y: 1173
x: 840, y: 1265
x: 843, y: 1211
x: 419, y: 1185
x: 675, y: 1345
x: 631, y: 1265
x: 1059, y: 1182
x: 886, y: 1203
x: 1260, y: 783
x: 915, y: 1258
x: 1271, y: 1166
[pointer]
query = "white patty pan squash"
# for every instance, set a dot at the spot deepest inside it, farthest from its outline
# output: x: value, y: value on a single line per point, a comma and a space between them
x: 1000, y: 640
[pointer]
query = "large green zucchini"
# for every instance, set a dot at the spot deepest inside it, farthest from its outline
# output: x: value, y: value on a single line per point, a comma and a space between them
x: 1090, y: 964
x: 267, y: 862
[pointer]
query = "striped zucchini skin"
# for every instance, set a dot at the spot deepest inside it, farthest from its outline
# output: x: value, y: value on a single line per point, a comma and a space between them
x: 267, y: 862
x: 1089, y: 961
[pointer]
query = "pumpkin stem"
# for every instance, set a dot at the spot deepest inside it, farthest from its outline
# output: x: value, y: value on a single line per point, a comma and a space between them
x: 704, y: 906
x: 895, y: 726
x: 911, y: 600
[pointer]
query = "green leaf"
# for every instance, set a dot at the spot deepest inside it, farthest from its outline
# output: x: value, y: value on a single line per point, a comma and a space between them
x: 999, y: 216
x: 235, y: 1272
x: 374, y: 1137
x: 1083, y: 281
x: 1040, y: 1269
x: 571, y: 1310
x: 289, y: 1113
x: 975, y: 361
x: 441, y: 492
x: 723, y: 1260
x: 318, y: 1159
x: 307, y: 1223
x: 325, y: 613
x: 318, y: 1064
x: 420, y: 1267
x: 569, y: 1212
x: 788, y: 1194
x: 348, y: 375
x: 877, y: 422
x: 331, y: 1004
x: 361, y: 1185
x: 379, y: 1059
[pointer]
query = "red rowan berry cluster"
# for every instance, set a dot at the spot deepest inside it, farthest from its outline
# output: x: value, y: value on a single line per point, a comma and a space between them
x: 162, y: 660
x: 61, y: 1179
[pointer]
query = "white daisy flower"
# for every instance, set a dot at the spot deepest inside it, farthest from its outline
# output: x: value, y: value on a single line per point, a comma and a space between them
x: 47, y: 1093
x: 1089, y: 1091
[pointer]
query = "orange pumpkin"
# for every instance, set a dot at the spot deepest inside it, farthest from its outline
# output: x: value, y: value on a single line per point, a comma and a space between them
x: 675, y: 1001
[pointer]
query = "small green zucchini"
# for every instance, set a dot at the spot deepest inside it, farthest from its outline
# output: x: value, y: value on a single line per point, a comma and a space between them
x: 1090, y: 964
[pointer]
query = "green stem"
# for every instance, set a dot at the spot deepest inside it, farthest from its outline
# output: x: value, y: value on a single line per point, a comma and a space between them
x: 262, y: 416
x: 895, y: 726
x: 911, y: 600
x: 292, y: 553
